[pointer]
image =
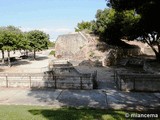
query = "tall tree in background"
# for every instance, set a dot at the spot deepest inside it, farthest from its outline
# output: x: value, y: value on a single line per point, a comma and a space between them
x: 149, y: 27
x: 1, y: 42
x: 84, y: 26
x: 38, y: 40
x: 10, y: 37
x: 23, y: 43
x: 112, y: 26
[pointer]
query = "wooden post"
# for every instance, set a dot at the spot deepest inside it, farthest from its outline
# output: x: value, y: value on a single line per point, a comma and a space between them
x: 6, y: 81
x: 30, y: 82
x: 55, y: 82
x: 120, y: 84
x: 134, y: 85
x: 81, y: 82
x: 114, y: 76
x: 96, y: 75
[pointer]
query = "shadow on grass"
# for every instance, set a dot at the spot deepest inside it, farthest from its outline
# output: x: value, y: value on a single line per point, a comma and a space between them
x: 78, y: 114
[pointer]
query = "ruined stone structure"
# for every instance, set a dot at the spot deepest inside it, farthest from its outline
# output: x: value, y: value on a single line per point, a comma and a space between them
x: 82, y: 46
x: 69, y: 45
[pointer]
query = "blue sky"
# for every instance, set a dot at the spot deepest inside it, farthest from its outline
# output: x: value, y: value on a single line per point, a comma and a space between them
x: 54, y: 17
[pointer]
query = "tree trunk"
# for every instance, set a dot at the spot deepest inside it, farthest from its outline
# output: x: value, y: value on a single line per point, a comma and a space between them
x: 158, y: 53
x: 158, y: 57
x: 27, y: 53
x: 9, y: 61
x: 34, y: 54
x: 2, y: 56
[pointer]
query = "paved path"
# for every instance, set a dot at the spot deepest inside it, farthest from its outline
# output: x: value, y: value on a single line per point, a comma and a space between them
x: 57, y: 98
x: 80, y: 98
x: 106, y: 96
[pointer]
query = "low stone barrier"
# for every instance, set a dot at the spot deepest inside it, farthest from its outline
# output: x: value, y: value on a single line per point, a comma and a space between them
x: 47, y: 79
x: 137, y: 81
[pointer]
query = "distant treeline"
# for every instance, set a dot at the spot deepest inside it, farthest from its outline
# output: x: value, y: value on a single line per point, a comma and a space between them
x: 12, y: 38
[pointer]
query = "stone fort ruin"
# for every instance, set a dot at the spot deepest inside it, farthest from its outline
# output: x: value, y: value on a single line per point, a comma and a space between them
x: 70, y: 45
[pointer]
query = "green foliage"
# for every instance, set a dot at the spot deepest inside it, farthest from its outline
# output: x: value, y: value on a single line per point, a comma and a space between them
x: 147, y: 9
x: 51, y: 44
x: 147, y: 27
x: 52, y: 53
x: 112, y: 26
x: 9, y: 37
x: 87, y: 26
x: 12, y: 38
x: 103, y: 17
x: 23, y: 43
x: 38, y: 40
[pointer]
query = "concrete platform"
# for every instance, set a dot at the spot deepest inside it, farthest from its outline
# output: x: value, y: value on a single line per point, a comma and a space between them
x: 106, y: 99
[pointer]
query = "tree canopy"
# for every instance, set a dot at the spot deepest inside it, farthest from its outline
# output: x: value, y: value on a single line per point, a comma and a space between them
x: 84, y: 26
x: 147, y: 9
x: 148, y: 27
x: 129, y: 19
x: 38, y: 40
x: 111, y: 26
x: 12, y: 38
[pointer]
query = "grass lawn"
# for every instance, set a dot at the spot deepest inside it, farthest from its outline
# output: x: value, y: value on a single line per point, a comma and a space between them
x: 13, y: 112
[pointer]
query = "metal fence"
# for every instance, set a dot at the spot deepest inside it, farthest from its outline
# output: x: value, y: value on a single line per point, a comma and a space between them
x: 137, y: 81
x: 49, y: 80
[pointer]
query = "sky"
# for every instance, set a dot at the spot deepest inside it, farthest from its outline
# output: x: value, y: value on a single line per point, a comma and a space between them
x: 55, y: 17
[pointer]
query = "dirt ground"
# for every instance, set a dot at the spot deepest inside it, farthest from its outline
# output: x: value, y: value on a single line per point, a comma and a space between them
x: 29, y: 65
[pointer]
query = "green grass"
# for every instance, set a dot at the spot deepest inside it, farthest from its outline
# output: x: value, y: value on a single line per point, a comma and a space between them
x: 13, y: 112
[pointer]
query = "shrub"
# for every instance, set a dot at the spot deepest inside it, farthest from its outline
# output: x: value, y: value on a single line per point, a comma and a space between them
x: 52, y: 53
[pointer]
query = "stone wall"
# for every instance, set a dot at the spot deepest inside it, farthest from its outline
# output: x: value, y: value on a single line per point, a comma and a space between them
x: 48, y: 80
x: 70, y: 44
x: 138, y: 82
x: 112, y: 56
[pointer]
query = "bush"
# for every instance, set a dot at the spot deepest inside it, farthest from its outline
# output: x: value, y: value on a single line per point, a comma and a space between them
x: 52, y: 53
x: 51, y: 44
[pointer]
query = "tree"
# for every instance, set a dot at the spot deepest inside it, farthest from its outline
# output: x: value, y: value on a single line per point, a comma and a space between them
x: 38, y: 40
x: 1, y: 43
x: 148, y: 26
x: 23, y: 43
x: 112, y: 26
x: 51, y: 44
x: 10, y: 39
x: 84, y: 26
x: 102, y: 19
